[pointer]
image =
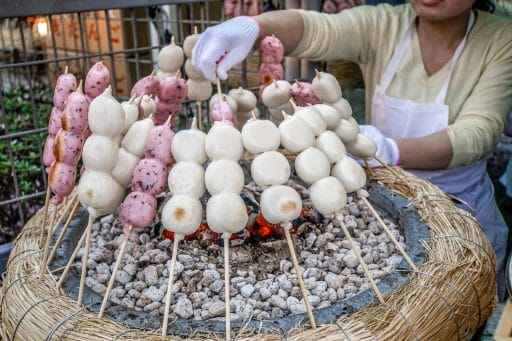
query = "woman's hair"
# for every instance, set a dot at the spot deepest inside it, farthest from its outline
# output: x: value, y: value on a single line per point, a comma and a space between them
x: 484, y: 5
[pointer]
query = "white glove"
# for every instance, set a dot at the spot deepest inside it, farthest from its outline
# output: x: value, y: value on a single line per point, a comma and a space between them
x: 387, y: 149
x: 221, y: 47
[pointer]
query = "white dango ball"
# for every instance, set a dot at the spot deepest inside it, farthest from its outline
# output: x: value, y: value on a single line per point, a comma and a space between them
x: 330, y: 144
x: 328, y: 195
x: 98, y: 190
x: 362, y: 147
x: 100, y: 153
x: 131, y: 115
x: 106, y: 115
x: 189, y: 145
x: 170, y: 57
x: 296, y: 134
x: 224, y: 176
x: 313, y: 118
x: 198, y: 90
x: 311, y: 165
x: 182, y: 214
x: 223, y: 97
x: 270, y: 168
x: 135, y: 139
x: 186, y: 178
x: 343, y: 107
x: 191, y: 71
x: 116, y: 200
x: 280, y: 204
x: 226, y: 213
x: 245, y: 99
x: 347, y: 130
x: 330, y: 114
x: 148, y: 105
x: 189, y: 43
x: 350, y: 174
x: 223, y: 141
x: 260, y: 136
x: 276, y: 114
x: 326, y: 87
x: 277, y: 93
x: 123, y: 170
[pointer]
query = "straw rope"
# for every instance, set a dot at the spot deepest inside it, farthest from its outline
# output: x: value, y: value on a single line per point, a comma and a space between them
x: 449, y: 296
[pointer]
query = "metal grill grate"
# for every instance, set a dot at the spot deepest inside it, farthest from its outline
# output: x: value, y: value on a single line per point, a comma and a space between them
x: 37, y: 43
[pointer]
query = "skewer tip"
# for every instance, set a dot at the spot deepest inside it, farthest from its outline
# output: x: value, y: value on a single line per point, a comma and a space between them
x: 294, y: 105
x: 79, y: 87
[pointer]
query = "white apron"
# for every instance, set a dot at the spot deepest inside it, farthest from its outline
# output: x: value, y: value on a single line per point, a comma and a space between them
x: 469, y: 182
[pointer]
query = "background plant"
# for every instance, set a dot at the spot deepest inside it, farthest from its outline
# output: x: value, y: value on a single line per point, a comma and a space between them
x: 26, y: 158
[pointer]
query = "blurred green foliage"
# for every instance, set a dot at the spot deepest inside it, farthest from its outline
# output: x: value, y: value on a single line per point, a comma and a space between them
x: 22, y: 153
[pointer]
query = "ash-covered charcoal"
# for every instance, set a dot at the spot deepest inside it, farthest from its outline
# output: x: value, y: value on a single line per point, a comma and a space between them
x: 262, y: 281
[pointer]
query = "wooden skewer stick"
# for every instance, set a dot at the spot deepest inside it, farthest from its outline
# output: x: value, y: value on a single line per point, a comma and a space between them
x: 294, y: 105
x: 219, y: 90
x: 52, y: 229
x: 85, y: 258
x: 363, y: 195
x: 339, y: 217
x: 177, y: 239
x: 114, y: 271
x: 57, y: 269
x: 368, y: 167
x: 286, y: 228
x: 387, y: 166
x: 62, y: 233
x: 43, y: 224
x: 71, y: 259
x: 199, y: 115
x: 69, y: 203
x: 226, y: 236
x: 47, y: 244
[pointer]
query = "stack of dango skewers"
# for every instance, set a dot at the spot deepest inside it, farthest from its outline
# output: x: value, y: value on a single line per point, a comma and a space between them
x: 316, y: 132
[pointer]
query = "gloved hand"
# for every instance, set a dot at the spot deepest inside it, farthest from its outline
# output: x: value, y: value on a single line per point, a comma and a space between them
x: 387, y: 149
x: 221, y: 47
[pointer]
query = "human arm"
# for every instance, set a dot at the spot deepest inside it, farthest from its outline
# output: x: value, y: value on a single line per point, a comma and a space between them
x: 286, y: 25
x: 433, y: 151
x: 482, y: 118
x: 305, y: 34
x: 221, y: 47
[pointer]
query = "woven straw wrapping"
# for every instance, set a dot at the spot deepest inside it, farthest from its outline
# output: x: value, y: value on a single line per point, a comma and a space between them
x: 450, y: 296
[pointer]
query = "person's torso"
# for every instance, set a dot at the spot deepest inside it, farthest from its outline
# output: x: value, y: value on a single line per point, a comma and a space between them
x: 411, y: 80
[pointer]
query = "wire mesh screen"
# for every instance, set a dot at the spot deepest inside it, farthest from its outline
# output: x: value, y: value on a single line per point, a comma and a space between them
x: 36, y: 49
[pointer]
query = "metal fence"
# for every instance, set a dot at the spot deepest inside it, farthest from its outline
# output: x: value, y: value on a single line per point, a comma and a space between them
x: 38, y: 39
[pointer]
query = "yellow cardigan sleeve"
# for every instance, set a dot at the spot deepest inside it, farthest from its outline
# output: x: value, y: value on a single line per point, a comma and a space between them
x: 483, y: 116
x: 348, y: 35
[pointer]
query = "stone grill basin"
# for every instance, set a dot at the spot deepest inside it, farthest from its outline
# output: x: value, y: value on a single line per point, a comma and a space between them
x: 391, y: 205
